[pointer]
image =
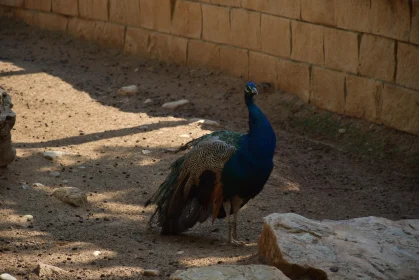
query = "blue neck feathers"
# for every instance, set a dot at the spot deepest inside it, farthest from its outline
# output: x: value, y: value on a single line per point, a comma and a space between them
x: 261, y: 137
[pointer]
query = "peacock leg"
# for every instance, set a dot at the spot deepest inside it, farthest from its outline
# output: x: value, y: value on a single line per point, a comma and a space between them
x: 236, y: 204
x: 227, y: 209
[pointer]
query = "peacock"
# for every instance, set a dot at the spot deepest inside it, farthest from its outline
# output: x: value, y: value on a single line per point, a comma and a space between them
x: 219, y: 174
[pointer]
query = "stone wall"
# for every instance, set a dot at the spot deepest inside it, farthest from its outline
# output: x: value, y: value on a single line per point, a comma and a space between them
x: 358, y: 58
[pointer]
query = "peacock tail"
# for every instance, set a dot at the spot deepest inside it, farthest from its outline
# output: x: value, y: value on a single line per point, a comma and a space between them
x: 188, y: 193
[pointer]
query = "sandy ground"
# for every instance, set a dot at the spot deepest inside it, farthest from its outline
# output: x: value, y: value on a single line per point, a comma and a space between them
x: 64, y: 93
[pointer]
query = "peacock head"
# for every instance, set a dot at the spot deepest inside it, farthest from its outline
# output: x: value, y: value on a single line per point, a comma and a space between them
x: 250, y: 89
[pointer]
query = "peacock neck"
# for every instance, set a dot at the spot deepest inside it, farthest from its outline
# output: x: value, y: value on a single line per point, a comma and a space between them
x: 261, y: 137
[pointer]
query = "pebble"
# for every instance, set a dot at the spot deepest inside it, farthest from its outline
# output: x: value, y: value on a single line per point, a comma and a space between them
x: 145, y: 127
x: 53, y: 154
x: 175, y: 104
x: 28, y: 217
x: 148, y: 101
x: 203, y: 121
x: 6, y: 276
x: 65, y: 181
x: 146, y: 152
x: 151, y: 272
x: 37, y: 185
x: 171, y: 150
x: 97, y: 253
x: 25, y: 187
x: 342, y: 130
x: 128, y: 90
x: 54, y: 174
x: 71, y: 195
x: 179, y: 252
x: 185, y: 136
x: 82, y: 167
x: 136, y: 69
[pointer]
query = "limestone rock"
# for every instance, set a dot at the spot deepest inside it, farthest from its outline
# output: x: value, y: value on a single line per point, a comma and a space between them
x: 51, y: 155
x: 175, y: 104
x: 128, y: 90
x: 6, y: 276
x: 7, y: 122
x: 230, y: 272
x: 203, y: 122
x: 71, y: 195
x: 361, y: 248
x: 47, y: 270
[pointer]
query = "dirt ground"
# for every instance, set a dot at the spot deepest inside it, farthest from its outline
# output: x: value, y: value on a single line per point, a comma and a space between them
x: 64, y: 92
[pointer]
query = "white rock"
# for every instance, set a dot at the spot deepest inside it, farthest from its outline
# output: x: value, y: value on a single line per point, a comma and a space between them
x: 53, y: 154
x: 46, y: 270
x: 97, y: 253
x: 175, y: 104
x: 128, y: 90
x: 37, y: 185
x: 171, y: 150
x: 82, y: 167
x: 151, y: 272
x: 65, y: 181
x: 25, y: 187
x: 203, y: 121
x: 28, y: 217
x: 342, y: 130
x: 71, y: 195
x: 55, y: 174
x: 6, y: 276
x: 362, y: 248
x: 179, y: 252
x: 145, y: 127
x: 146, y: 152
x: 148, y: 101
x: 185, y: 136
x: 230, y: 272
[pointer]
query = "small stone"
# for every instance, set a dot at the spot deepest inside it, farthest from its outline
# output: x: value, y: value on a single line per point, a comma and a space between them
x: 71, y: 195
x: 28, y: 217
x: 46, y: 270
x: 179, y: 252
x: 342, y: 130
x: 128, y: 90
x: 175, y: 104
x: 82, y: 167
x: 185, y: 136
x: 65, y: 181
x: 203, y: 121
x: 6, y: 276
x: 97, y: 253
x: 37, y: 185
x: 369, y: 150
x: 171, y: 150
x: 136, y: 70
x: 25, y: 187
x: 144, y: 127
x: 54, y: 174
x: 148, y: 101
x: 146, y: 152
x: 51, y: 155
x: 151, y: 272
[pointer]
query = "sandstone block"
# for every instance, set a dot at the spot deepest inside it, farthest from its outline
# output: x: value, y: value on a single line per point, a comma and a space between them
x: 408, y: 65
x: 229, y: 272
x: 294, y: 78
x: 187, y: 19
x: 262, y: 67
x: 353, y: 15
x: 155, y: 14
x: 328, y: 90
x: 49, y: 21
x: 361, y: 248
x: 401, y: 108
x: 136, y: 41
x: 391, y: 18
x: 363, y: 98
x: 203, y: 54
x: 341, y: 50
x: 168, y: 48
x: 42, y: 5
x: 65, y: 7
x: 249, y: 21
x: 319, y: 11
x: 81, y: 28
x: 125, y: 12
x: 13, y: 3
x: 216, y: 24
x: 234, y: 61
x: 307, y: 42
x: 109, y: 34
x: 286, y: 8
x: 414, y: 31
x: 275, y: 36
x: 376, y: 58
x: 94, y: 9
x: 229, y: 3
